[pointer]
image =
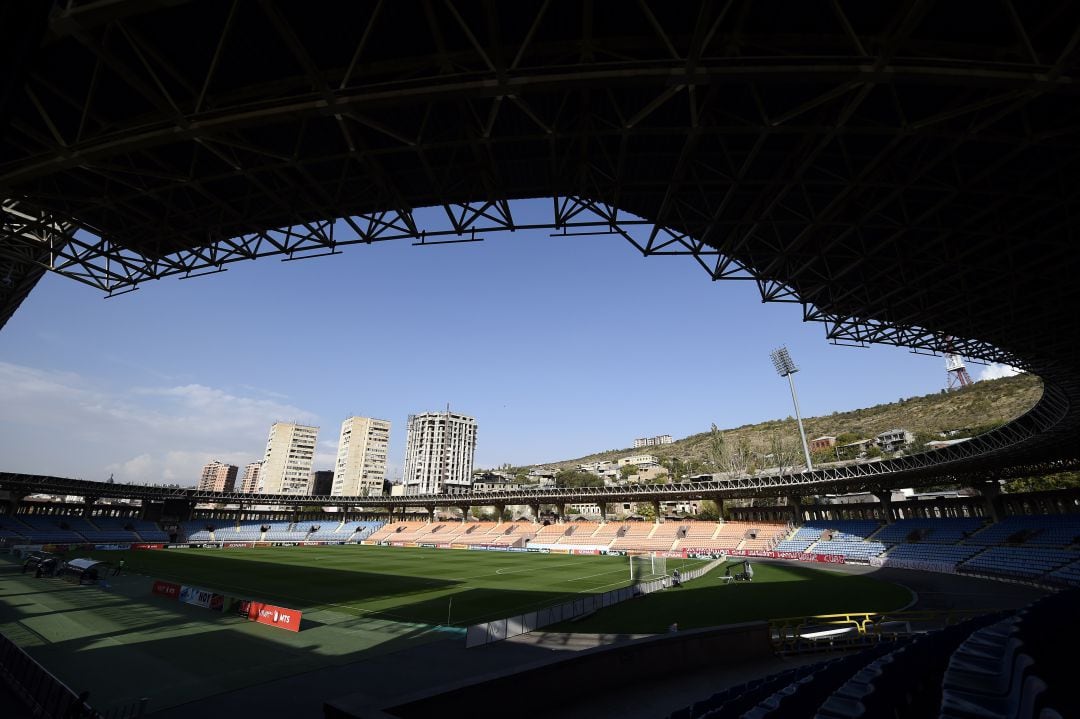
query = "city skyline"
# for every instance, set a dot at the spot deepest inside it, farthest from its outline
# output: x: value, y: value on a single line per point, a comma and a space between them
x: 559, y: 347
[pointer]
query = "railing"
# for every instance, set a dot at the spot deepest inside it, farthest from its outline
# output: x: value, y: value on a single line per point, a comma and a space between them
x: 500, y: 629
x: 829, y: 632
x: 44, y: 694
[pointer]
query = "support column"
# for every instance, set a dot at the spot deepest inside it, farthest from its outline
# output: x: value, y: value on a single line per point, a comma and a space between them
x: 431, y: 511
x: 535, y: 508
x: 796, y: 508
x: 14, y: 502
x: 561, y: 509
x: 499, y: 509
x: 656, y: 511
x: 88, y: 506
x: 991, y: 494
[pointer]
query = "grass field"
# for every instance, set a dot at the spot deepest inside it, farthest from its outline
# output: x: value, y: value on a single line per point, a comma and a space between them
x: 778, y: 590
x: 360, y: 604
x: 422, y: 586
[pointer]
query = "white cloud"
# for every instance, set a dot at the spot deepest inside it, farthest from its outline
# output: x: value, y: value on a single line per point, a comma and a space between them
x: 65, y: 424
x: 997, y: 371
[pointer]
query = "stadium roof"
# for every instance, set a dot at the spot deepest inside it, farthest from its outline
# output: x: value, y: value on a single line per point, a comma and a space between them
x: 907, y: 171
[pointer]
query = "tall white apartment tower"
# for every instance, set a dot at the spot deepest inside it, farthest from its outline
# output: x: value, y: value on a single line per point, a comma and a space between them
x: 439, y: 453
x: 290, y: 451
x: 250, y: 483
x: 361, y: 457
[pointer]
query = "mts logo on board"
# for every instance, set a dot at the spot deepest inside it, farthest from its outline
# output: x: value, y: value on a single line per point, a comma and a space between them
x: 275, y: 616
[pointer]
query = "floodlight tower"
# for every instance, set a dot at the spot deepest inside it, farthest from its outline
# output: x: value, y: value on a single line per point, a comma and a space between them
x: 785, y: 367
x: 958, y: 376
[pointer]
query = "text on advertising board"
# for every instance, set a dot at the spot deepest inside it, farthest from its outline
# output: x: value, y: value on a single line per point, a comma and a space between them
x: 274, y: 616
x: 166, y: 589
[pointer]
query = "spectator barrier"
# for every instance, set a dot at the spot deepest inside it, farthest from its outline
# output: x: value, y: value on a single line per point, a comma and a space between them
x: 45, y: 695
x: 499, y: 629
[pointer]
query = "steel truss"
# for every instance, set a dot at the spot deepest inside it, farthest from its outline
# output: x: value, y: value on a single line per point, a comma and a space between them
x: 48, y: 242
x: 904, y: 182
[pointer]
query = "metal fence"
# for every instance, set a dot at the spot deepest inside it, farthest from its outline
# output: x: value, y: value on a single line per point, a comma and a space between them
x: 499, y: 629
x: 44, y: 694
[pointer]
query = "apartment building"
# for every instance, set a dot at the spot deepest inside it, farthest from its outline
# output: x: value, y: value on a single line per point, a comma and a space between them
x: 218, y: 477
x: 250, y: 482
x: 360, y: 469
x: 439, y: 453
x: 652, y: 441
x: 321, y: 482
x: 286, y: 466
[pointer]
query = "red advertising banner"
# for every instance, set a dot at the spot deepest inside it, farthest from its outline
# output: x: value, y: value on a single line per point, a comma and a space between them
x: 166, y: 589
x: 274, y: 616
x: 238, y: 545
x: 800, y: 556
x: 142, y: 545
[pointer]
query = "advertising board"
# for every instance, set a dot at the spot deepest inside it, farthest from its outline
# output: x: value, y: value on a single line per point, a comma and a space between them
x: 166, y: 589
x: 798, y: 556
x: 274, y: 616
x: 195, y: 596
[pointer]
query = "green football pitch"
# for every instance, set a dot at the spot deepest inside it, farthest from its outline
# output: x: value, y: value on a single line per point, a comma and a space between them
x: 423, y: 586
x: 359, y: 603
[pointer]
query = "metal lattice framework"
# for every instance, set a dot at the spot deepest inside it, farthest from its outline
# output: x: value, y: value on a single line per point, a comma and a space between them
x: 907, y: 175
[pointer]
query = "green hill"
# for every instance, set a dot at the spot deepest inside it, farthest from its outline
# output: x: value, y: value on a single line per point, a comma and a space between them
x: 969, y: 411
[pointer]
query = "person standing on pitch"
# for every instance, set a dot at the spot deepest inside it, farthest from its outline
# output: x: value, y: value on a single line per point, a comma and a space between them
x: 116, y: 572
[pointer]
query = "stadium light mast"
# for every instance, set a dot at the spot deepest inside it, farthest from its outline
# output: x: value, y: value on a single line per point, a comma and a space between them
x: 785, y: 367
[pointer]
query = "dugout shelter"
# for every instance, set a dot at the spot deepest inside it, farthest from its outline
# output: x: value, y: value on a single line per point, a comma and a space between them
x: 84, y: 571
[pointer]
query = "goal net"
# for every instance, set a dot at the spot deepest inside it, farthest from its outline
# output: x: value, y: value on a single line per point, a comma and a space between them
x: 646, y: 567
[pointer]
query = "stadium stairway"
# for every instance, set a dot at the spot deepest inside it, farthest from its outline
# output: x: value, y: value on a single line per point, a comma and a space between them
x: 996, y: 666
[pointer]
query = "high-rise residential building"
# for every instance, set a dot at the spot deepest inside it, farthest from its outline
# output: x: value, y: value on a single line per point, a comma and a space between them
x: 361, y: 458
x: 290, y: 451
x: 439, y: 453
x: 250, y: 483
x: 321, y: 482
x: 218, y: 477
x: 652, y: 441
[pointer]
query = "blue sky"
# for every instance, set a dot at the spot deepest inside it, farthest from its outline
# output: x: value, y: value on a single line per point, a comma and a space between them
x: 558, y: 346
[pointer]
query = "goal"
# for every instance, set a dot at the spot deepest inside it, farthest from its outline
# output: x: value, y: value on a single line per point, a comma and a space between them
x: 646, y: 567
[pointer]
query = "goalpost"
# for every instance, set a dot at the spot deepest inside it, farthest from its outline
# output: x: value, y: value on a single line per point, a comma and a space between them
x: 646, y: 567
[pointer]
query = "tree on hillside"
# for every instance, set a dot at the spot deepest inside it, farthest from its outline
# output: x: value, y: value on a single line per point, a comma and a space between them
x: 737, y: 460
x: 783, y: 453
x: 645, y: 509
x: 1065, y: 480
x: 577, y: 478
x: 708, y: 510
x: 627, y: 470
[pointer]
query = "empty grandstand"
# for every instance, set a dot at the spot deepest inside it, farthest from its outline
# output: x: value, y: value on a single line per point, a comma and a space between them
x: 1005, y: 664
